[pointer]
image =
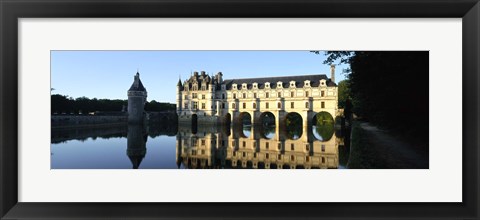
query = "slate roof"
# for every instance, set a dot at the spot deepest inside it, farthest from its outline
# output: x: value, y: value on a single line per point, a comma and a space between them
x: 199, y: 79
x: 139, y: 87
x: 299, y: 81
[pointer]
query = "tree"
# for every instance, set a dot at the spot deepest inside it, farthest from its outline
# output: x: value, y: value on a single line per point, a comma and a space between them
x: 343, y: 93
x: 389, y: 88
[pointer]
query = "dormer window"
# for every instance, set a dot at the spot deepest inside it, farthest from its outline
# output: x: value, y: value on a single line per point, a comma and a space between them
x: 307, y: 83
x: 244, y: 86
x: 255, y: 85
x: 322, y: 82
x: 267, y: 85
x: 292, y: 84
x: 279, y: 84
x: 234, y: 86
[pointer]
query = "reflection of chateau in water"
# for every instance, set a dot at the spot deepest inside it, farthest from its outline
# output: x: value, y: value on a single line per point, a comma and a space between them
x: 255, y: 147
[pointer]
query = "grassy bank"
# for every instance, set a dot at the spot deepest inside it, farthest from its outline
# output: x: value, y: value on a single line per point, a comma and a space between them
x: 361, y: 155
x: 365, y: 154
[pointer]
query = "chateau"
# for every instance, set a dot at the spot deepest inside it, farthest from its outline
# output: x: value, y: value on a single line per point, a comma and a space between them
x: 205, y: 99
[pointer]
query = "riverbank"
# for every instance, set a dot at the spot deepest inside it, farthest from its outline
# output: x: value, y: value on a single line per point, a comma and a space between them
x: 78, y: 121
x: 374, y: 148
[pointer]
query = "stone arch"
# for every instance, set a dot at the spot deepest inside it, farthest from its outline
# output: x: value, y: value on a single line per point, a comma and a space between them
x: 293, y: 125
x: 323, y: 126
x: 245, y: 118
x: 267, y: 118
x: 244, y: 122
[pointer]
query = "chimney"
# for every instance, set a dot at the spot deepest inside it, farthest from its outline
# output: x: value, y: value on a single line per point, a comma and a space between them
x: 219, y: 78
x: 332, y: 72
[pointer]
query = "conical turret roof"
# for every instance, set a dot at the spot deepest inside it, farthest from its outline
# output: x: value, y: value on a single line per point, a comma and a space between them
x: 137, y: 84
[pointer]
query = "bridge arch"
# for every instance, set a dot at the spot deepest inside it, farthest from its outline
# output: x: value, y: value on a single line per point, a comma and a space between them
x: 245, y: 118
x: 267, y: 119
x: 245, y: 123
x: 293, y: 125
x: 323, y: 126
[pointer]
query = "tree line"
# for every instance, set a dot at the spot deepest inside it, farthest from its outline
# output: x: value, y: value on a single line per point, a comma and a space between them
x: 83, y: 105
x: 387, y: 88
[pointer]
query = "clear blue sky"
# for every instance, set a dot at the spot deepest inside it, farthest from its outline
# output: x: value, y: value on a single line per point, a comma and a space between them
x: 109, y: 74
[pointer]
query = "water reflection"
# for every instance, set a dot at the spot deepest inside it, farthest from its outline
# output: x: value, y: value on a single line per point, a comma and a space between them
x: 136, y: 144
x: 205, y: 147
x: 284, y: 148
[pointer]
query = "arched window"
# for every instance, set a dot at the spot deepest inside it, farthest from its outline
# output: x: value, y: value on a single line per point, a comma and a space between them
x: 234, y: 95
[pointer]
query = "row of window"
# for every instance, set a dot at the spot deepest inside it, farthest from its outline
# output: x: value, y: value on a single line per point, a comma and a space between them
x: 279, y: 105
x: 244, y: 95
x: 195, y: 88
x: 279, y: 85
x: 194, y: 96
x: 254, y: 105
x: 279, y: 94
x: 279, y: 147
x: 279, y: 156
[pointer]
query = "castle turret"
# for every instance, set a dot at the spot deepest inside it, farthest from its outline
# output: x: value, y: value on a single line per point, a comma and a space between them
x: 137, y: 97
x: 179, y: 96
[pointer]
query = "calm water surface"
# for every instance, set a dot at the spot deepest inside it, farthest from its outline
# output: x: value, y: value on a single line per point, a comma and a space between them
x: 147, y: 147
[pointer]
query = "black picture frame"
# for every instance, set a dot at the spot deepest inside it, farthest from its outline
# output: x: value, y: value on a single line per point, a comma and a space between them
x: 12, y: 10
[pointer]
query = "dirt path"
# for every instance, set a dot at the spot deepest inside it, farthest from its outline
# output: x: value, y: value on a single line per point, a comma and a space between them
x: 396, y: 152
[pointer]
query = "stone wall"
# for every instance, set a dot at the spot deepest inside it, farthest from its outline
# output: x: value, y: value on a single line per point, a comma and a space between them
x: 85, y: 120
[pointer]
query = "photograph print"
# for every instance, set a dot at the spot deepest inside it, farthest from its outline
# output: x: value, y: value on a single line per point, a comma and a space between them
x: 235, y: 109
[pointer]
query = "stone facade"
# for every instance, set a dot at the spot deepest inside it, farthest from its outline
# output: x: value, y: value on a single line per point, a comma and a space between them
x: 210, y: 99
